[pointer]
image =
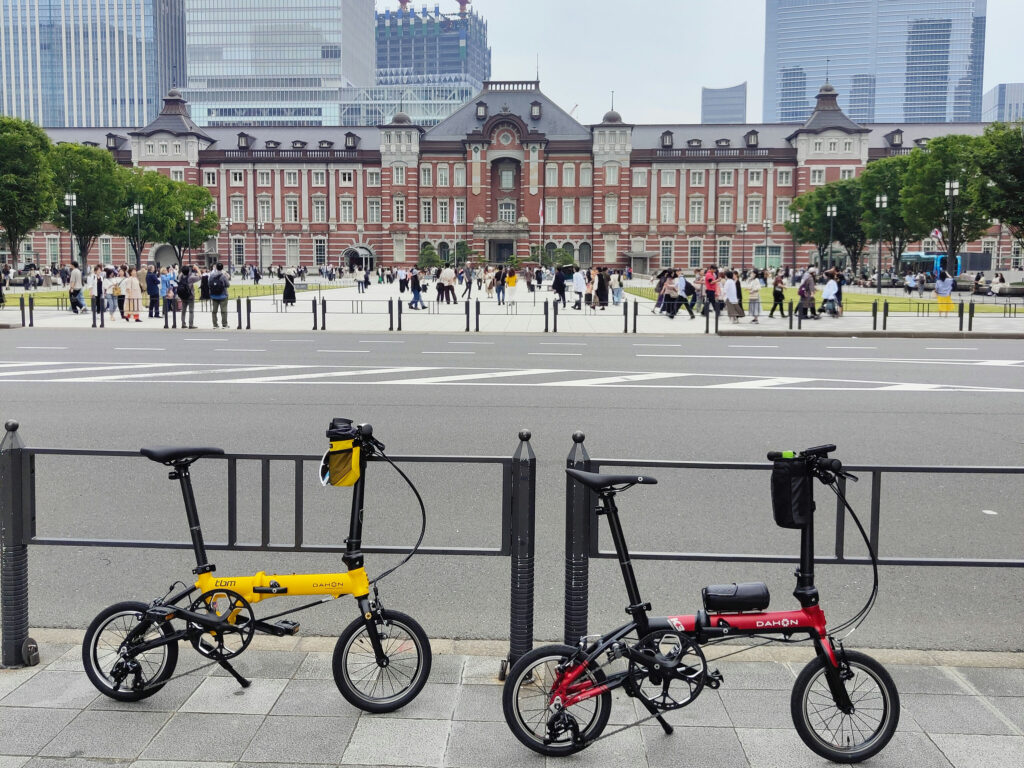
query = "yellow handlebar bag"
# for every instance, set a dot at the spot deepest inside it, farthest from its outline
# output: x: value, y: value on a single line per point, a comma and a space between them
x: 340, y: 465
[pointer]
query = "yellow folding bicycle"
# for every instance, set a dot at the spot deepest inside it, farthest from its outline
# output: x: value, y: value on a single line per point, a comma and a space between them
x: 381, y: 660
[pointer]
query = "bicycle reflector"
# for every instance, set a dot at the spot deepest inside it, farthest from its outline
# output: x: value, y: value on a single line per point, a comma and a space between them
x: 792, y: 492
x: 340, y: 465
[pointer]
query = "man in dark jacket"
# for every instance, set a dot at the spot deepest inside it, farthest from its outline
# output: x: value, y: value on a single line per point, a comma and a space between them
x: 558, y: 286
x: 153, y: 290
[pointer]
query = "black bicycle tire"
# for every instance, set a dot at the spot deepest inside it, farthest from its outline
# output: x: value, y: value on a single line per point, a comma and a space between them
x: 339, y: 666
x: 91, y: 663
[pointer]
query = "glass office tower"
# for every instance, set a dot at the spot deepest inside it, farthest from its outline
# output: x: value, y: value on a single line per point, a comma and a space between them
x: 723, y: 105
x: 890, y: 60
x: 264, y: 62
x: 100, y: 63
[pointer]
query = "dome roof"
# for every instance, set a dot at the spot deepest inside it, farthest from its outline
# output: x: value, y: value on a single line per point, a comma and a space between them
x: 401, y: 118
x: 174, y: 93
x: 611, y: 116
x: 827, y: 88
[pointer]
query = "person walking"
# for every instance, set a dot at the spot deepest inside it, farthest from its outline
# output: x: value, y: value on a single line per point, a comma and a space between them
x: 778, y: 295
x: 579, y: 286
x: 467, y: 276
x: 447, y: 283
x: 75, y: 288
x: 288, y: 294
x: 510, y: 282
x: 602, y: 288
x: 187, y: 295
x: 416, y: 288
x: 806, y: 292
x: 219, y: 281
x: 710, y: 289
x: 828, y: 295
x: 360, y: 280
x: 500, y: 285
x: 132, y: 296
x: 96, y: 290
x: 944, y: 293
x: 753, y: 288
x: 153, y: 291
x: 558, y: 286
x: 732, y: 298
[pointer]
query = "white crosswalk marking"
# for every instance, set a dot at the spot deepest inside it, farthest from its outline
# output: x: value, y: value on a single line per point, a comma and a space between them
x: 121, y: 377
x: 67, y: 369
x: 320, y: 375
x: 616, y: 379
x: 761, y: 383
x: 472, y: 376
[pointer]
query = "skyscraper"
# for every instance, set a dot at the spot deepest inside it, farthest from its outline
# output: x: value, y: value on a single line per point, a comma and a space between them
x: 264, y: 62
x: 893, y: 60
x: 723, y: 105
x: 102, y: 63
x: 1004, y: 103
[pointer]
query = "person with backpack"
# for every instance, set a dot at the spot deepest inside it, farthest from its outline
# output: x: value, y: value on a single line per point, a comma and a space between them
x: 219, y: 282
x: 187, y: 295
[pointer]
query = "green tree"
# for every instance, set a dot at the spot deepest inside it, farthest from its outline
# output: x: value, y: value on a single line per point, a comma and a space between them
x: 428, y: 257
x: 814, y: 224
x: 26, y: 180
x: 160, y: 212
x: 849, y: 219
x: 463, y: 255
x: 92, y: 175
x: 886, y: 178
x: 205, y: 223
x: 960, y: 219
x: 1000, y: 158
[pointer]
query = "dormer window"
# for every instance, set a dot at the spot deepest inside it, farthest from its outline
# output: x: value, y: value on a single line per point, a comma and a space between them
x: 325, y: 144
x: 271, y: 144
x: 111, y: 141
x: 351, y: 140
x: 722, y: 142
x: 297, y: 144
x: 481, y: 110
x: 535, y: 110
x: 243, y: 140
x: 895, y: 138
x: 693, y: 143
x: 922, y: 142
x: 751, y: 138
x: 666, y: 140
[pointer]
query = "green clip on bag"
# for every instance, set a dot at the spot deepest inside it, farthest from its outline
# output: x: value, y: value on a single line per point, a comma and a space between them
x: 340, y: 465
x: 792, y: 493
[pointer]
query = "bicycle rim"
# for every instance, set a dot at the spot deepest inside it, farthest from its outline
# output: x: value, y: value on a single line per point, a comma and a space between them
x: 383, y: 684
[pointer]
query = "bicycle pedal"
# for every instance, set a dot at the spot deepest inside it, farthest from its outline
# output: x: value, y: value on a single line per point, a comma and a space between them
x: 714, y: 679
x: 287, y: 627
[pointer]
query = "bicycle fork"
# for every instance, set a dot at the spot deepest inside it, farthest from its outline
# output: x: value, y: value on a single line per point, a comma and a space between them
x: 837, y: 671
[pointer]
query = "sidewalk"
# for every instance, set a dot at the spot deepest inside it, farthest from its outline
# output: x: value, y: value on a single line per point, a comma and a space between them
x: 959, y: 710
x: 351, y: 312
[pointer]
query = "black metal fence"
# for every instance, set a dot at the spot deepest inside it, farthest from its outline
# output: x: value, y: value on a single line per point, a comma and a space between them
x: 582, y: 543
x: 18, y: 528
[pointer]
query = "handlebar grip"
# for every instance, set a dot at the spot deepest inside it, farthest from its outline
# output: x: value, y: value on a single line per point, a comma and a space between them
x: 366, y: 430
x: 774, y: 455
x: 833, y: 465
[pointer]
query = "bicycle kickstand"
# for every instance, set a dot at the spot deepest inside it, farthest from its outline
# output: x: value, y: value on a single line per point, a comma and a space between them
x: 654, y: 711
x: 225, y: 664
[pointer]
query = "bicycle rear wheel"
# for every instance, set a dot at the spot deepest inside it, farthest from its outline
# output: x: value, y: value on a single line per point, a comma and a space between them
x: 374, y: 687
x: 846, y: 737
x: 117, y: 675
x: 528, y: 710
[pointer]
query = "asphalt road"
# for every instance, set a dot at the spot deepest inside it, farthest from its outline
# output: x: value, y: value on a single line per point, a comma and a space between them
x: 882, y: 401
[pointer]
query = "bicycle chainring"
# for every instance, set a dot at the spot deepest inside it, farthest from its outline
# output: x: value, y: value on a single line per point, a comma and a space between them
x: 668, y: 669
x: 234, y: 628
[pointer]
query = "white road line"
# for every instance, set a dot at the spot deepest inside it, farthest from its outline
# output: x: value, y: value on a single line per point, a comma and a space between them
x: 615, y: 379
x: 754, y: 346
x: 343, y: 350
x: 122, y: 366
x: 1004, y: 363
x: 761, y: 383
x: 957, y: 349
x: 491, y: 343
x: 42, y: 347
x: 290, y: 340
x: 371, y: 341
x: 833, y: 359
x: 23, y: 365
x: 657, y: 345
x: 557, y: 354
x: 140, y: 349
x: 473, y: 376
x: 211, y: 338
x: 910, y: 387
x: 563, y: 343
x: 120, y: 377
x: 446, y: 352
x: 851, y: 347
x: 239, y: 350
x: 297, y: 376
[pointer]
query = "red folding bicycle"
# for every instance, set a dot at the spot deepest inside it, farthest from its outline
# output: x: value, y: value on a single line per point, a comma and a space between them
x: 557, y: 698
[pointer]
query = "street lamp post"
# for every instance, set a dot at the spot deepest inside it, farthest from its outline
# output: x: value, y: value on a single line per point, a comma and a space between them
x: 742, y: 230
x: 767, y: 228
x: 71, y: 200
x: 795, y: 218
x: 137, y: 211
x: 189, y: 217
x: 830, y: 211
x: 952, y: 193
x: 259, y: 246
x: 227, y: 229
x: 881, y: 203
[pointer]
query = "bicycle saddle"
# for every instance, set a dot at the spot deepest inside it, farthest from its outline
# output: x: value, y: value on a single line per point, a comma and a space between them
x: 598, y: 482
x: 176, y: 454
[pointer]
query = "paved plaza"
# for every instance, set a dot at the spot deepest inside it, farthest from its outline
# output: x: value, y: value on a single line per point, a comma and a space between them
x: 524, y: 312
x: 959, y: 710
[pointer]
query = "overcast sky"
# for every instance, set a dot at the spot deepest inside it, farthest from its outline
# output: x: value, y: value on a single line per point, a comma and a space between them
x: 657, y: 55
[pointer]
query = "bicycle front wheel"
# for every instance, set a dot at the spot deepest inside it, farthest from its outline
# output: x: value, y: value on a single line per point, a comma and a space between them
x: 846, y: 737
x: 108, y: 662
x: 526, y: 701
x: 386, y: 686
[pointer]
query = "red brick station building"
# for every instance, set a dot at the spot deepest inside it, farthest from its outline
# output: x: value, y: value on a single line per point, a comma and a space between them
x: 507, y: 171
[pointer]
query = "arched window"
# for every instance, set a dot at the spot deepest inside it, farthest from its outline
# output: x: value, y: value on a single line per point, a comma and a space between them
x: 586, y: 255
x: 550, y: 249
x: 570, y: 249
x: 443, y: 252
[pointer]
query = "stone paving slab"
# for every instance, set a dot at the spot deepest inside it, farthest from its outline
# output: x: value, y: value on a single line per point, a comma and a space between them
x: 964, y: 716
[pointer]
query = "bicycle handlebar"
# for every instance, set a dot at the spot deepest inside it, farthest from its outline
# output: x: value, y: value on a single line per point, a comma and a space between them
x: 816, y: 457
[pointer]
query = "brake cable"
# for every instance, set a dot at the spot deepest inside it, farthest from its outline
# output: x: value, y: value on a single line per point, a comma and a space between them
x: 423, y: 514
x: 858, y: 618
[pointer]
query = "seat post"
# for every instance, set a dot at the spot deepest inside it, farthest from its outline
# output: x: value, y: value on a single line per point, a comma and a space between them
x: 636, y: 606
x: 805, y: 590
x: 181, y: 474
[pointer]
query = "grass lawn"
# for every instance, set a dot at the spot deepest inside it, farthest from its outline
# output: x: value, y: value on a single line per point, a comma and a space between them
x: 852, y: 302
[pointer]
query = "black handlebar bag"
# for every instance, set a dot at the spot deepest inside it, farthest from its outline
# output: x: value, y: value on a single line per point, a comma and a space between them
x: 792, y: 493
